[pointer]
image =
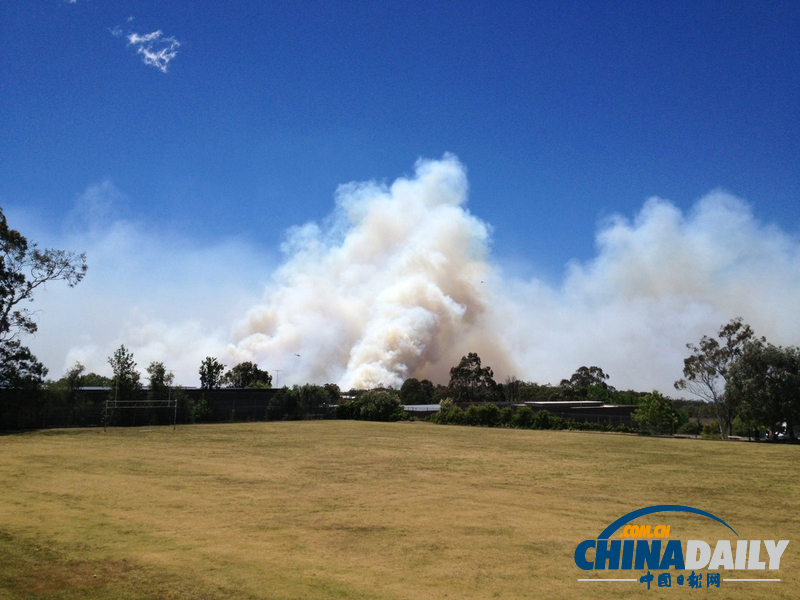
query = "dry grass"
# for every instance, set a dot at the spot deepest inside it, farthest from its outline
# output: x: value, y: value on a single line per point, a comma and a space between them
x: 364, y: 510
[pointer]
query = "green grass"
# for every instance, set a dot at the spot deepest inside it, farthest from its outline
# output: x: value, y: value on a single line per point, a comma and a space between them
x: 365, y: 510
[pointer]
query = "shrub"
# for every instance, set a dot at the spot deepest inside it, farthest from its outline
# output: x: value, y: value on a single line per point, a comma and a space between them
x: 541, y: 420
x: 446, y: 404
x: 710, y: 432
x: 380, y: 406
x: 375, y: 405
x: 471, y: 416
x: 690, y: 428
x: 283, y: 406
x: 522, y: 418
x: 488, y: 415
x: 349, y: 410
x: 200, y: 412
x: 450, y: 415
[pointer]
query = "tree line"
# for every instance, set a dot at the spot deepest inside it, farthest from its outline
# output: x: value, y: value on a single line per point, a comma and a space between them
x: 743, y: 382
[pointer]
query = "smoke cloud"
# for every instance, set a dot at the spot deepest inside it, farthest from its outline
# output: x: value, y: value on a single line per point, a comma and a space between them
x: 399, y: 282
x: 392, y: 287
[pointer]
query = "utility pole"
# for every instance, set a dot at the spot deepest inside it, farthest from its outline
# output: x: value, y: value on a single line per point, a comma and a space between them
x: 169, y: 399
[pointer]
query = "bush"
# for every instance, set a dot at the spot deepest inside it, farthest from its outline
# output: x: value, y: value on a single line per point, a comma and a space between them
x: 380, y: 406
x: 375, y: 405
x: 482, y: 415
x: 690, y: 428
x: 522, y: 418
x: 488, y: 415
x: 446, y: 404
x: 349, y: 410
x: 710, y: 432
x: 450, y: 414
x: 200, y: 412
x: 283, y: 406
x: 471, y: 416
x: 541, y: 420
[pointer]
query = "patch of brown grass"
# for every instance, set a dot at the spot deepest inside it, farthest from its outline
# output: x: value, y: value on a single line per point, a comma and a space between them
x: 362, y: 510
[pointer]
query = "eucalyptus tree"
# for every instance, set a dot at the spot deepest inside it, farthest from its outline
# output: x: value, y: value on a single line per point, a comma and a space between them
x: 706, y: 369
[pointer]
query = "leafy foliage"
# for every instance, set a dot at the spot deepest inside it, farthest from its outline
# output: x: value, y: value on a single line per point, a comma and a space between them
x: 587, y: 381
x: 300, y: 402
x: 23, y: 269
x: 414, y: 391
x: 160, y: 380
x: 374, y: 405
x: 483, y: 415
x: 19, y: 367
x: 705, y: 371
x: 470, y: 382
x: 764, y: 384
x: 201, y: 411
x: 247, y: 375
x: 522, y: 418
x: 657, y: 413
x: 126, y: 378
x: 211, y: 371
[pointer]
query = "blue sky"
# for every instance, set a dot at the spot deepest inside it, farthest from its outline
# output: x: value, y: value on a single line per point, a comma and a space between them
x: 563, y: 114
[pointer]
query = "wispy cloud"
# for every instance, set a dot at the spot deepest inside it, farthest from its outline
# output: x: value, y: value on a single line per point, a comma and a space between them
x: 156, y: 49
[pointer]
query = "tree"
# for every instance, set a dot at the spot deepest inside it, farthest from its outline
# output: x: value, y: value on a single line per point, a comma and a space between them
x: 705, y: 371
x: 469, y: 381
x: 299, y: 402
x: 586, y: 380
x: 160, y: 380
x: 23, y: 269
x: 19, y: 367
x: 414, y: 391
x: 247, y: 375
x: 211, y: 373
x: 95, y: 380
x: 511, y: 389
x: 126, y: 378
x: 765, y: 385
x: 334, y: 393
x: 68, y: 391
x: 380, y: 405
x: 655, y: 412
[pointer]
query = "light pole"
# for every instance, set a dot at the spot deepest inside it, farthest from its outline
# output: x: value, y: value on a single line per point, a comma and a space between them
x: 169, y: 399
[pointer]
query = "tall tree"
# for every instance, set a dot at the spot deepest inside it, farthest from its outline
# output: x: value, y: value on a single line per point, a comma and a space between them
x: 655, y: 412
x: 160, y: 380
x: 211, y: 373
x: 705, y: 371
x: 126, y: 384
x: 19, y: 367
x: 469, y: 381
x: 585, y: 379
x: 414, y: 391
x: 765, y: 385
x: 511, y: 389
x: 247, y: 375
x: 24, y: 268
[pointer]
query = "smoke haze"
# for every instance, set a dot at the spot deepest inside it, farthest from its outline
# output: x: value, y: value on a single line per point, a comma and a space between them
x: 399, y: 282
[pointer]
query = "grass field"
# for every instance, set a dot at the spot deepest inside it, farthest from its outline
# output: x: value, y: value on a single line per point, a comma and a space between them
x: 338, y: 509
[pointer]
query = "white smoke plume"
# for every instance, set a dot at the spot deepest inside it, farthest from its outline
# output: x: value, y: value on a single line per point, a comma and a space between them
x: 392, y: 288
x: 399, y: 282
